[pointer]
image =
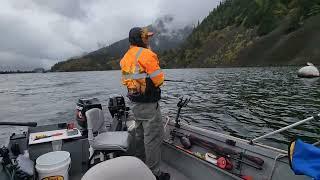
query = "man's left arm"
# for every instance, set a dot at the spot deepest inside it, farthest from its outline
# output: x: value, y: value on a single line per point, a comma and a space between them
x: 153, y: 69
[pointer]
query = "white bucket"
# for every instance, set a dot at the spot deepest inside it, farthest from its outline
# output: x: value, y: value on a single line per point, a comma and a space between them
x: 53, y: 165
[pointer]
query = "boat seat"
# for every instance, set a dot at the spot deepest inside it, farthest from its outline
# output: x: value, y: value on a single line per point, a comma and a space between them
x: 121, y: 168
x: 117, y: 140
x: 105, y: 141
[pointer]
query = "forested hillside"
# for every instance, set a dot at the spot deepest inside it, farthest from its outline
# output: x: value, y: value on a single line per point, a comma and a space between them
x: 252, y: 33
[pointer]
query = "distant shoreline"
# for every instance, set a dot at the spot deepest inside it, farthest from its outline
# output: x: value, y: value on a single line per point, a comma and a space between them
x: 22, y: 72
x: 15, y: 72
x: 253, y: 66
x: 48, y: 71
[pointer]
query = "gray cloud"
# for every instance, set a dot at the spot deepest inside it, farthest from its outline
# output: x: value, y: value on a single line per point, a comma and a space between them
x: 42, y: 32
x: 73, y: 9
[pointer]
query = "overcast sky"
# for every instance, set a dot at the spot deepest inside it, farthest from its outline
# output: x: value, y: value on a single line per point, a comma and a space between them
x: 39, y: 33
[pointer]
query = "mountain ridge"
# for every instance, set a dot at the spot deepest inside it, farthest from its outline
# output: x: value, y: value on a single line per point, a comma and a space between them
x: 107, y: 58
x: 235, y: 33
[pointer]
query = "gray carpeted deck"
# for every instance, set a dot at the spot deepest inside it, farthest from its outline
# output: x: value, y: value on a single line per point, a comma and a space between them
x: 175, y: 174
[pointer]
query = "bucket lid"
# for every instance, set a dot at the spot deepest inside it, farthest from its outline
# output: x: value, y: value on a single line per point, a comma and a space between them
x: 52, y: 159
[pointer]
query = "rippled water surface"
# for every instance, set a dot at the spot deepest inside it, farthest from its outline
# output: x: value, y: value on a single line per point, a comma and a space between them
x: 243, y: 102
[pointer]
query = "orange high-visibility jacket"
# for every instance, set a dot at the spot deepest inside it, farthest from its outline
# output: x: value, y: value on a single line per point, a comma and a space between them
x: 137, y: 64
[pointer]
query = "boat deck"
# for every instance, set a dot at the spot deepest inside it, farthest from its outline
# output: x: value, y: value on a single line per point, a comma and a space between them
x: 76, y: 177
x: 181, y: 165
x: 174, y: 173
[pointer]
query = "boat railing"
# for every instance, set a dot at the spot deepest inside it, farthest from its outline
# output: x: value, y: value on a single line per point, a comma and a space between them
x: 316, y: 117
x: 30, y: 124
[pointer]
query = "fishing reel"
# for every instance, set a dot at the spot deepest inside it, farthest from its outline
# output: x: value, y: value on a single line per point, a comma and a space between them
x: 12, y: 166
x: 183, y: 102
x: 4, y: 153
x: 184, y: 140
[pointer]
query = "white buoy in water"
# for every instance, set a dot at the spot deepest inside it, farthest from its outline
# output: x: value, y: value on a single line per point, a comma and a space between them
x: 308, y: 71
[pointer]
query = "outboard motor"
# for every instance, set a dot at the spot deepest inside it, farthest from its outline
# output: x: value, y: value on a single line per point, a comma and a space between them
x: 116, y: 105
x: 82, y: 107
x: 119, y: 112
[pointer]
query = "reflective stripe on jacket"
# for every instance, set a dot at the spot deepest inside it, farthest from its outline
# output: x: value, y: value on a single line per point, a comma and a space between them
x: 137, y: 64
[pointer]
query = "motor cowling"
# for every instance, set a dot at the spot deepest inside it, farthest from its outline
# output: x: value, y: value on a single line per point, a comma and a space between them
x: 83, y: 105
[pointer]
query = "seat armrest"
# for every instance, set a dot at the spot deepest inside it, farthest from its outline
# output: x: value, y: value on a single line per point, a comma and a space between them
x: 90, y: 135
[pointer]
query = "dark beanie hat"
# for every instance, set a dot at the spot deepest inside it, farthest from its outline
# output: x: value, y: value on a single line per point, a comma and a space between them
x: 135, y: 37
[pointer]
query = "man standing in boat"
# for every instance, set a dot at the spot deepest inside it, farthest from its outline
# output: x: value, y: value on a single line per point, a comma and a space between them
x: 142, y: 76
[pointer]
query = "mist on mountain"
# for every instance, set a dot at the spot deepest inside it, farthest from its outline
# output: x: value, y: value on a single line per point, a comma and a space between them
x: 167, y: 36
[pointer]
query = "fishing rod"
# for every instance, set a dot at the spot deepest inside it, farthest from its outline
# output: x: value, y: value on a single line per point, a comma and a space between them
x: 179, y: 81
x: 228, y: 152
x: 188, y: 140
x: 193, y: 139
x: 223, y: 150
x: 30, y: 124
x: 221, y: 162
x: 12, y: 170
x: 316, y: 117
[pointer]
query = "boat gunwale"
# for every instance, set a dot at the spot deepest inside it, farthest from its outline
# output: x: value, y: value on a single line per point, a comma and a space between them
x: 244, y: 144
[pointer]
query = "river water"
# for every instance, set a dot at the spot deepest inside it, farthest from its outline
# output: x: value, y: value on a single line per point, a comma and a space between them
x: 243, y: 102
